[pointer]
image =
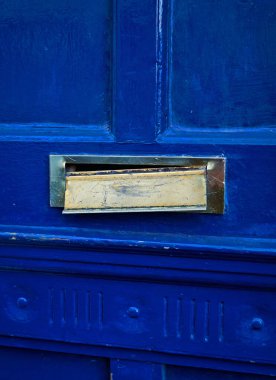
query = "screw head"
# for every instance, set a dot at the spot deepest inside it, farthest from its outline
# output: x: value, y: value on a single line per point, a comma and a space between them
x: 257, y: 324
x: 133, y: 312
x: 22, y: 302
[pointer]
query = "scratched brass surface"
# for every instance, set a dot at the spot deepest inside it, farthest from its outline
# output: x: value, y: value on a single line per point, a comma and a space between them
x: 215, y: 174
x: 147, y: 189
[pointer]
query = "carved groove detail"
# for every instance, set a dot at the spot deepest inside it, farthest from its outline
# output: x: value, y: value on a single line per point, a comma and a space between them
x: 188, y: 319
x: 75, y: 307
x: 193, y: 320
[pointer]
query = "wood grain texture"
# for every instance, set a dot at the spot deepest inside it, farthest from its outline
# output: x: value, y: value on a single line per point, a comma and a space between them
x: 136, y: 190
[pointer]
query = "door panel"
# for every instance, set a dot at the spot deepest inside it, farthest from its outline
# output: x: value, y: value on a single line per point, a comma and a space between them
x: 138, y: 108
x: 178, y: 373
x: 55, y: 62
x: 248, y: 214
x: 18, y: 364
x: 222, y: 60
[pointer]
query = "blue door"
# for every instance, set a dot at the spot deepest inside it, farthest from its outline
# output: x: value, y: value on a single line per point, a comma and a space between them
x: 138, y: 295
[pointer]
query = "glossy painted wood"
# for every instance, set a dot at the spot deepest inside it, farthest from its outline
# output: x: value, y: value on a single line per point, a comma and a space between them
x: 51, y: 52
x: 141, y: 78
x: 201, y: 320
x: 222, y: 59
x: 125, y: 369
x: 45, y: 365
x: 177, y: 373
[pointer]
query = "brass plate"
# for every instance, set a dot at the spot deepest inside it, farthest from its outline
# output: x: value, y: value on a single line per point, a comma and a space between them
x: 215, y: 174
x: 147, y: 189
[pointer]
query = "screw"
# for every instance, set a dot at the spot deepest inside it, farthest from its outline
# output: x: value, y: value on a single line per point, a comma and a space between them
x: 257, y: 324
x: 22, y: 302
x: 133, y: 312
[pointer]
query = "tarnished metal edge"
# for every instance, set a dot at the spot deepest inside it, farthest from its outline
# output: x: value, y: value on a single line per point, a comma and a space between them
x: 215, y: 174
x: 137, y: 209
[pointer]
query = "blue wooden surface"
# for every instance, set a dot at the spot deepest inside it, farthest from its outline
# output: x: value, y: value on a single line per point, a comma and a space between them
x: 222, y: 64
x: 19, y: 364
x: 250, y: 184
x: 50, y: 53
x: 174, y: 318
x: 135, y: 77
x: 125, y: 370
x: 177, y: 373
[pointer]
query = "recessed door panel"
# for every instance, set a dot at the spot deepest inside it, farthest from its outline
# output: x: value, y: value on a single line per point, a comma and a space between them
x: 55, y: 59
x: 178, y: 373
x: 222, y: 59
x: 18, y: 364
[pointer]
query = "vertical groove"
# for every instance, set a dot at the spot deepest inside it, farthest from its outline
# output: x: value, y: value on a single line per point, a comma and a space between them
x: 206, y: 321
x: 159, y: 64
x: 221, y: 321
x: 178, y: 317
x: 169, y: 61
x: 88, y: 309
x: 193, y: 319
x: 76, y: 306
x: 113, y: 66
x: 51, y: 306
x: 100, y: 307
x: 165, y: 316
x: 63, y: 306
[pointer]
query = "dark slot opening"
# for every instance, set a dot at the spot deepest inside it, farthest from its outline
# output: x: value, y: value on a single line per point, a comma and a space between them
x: 98, y: 167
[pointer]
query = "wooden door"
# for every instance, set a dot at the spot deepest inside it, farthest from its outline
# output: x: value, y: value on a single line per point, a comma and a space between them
x: 139, y: 78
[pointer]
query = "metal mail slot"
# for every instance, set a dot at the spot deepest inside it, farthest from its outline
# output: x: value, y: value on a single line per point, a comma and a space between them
x: 145, y: 189
x: 105, y: 183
